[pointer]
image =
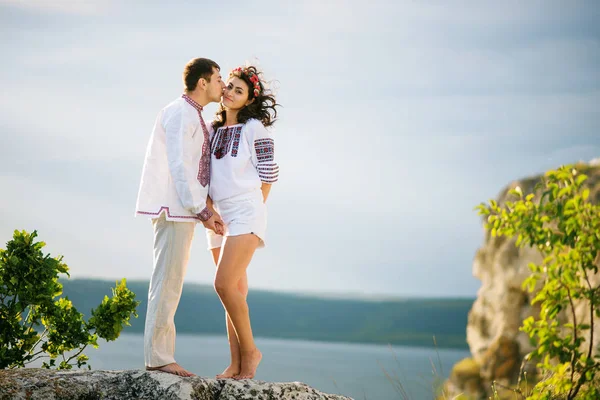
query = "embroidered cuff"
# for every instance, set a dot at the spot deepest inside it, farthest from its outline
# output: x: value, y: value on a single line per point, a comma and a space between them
x: 205, y: 214
x: 268, y: 172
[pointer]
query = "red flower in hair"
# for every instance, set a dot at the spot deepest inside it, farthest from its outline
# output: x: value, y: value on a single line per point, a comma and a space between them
x: 251, y: 76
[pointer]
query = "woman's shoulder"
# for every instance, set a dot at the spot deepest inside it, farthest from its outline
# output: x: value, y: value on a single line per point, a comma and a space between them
x: 253, y: 122
x: 254, y: 125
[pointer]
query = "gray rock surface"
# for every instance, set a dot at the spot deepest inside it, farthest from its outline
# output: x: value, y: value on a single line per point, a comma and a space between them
x: 43, y: 384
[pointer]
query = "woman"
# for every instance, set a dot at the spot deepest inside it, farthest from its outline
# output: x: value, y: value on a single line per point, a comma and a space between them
x: 243, y: 167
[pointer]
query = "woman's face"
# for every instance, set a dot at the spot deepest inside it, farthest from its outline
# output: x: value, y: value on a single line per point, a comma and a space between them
x: 235, y: 95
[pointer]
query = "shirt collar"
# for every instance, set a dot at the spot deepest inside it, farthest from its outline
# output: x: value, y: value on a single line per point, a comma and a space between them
x: 192, y: 102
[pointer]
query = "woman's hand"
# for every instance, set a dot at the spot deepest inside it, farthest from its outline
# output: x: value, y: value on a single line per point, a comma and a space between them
x: 215, y: 223
x: 218, y: 226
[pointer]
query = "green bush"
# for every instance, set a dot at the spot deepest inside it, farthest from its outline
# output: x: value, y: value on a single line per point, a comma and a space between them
x: 565, y: 227
x: 35, y: 324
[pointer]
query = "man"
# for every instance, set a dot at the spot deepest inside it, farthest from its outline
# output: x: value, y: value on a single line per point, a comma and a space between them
x: 173, y: 192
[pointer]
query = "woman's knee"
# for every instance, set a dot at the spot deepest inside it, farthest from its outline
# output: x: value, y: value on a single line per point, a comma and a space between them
x: 223, y: 287
x: 242, y: 288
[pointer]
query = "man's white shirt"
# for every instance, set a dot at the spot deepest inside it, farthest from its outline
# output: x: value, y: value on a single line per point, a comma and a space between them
x: 171, y: 175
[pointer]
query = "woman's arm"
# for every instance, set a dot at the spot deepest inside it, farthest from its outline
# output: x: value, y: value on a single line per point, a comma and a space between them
x: 263, y: 156
x: 266, y: 188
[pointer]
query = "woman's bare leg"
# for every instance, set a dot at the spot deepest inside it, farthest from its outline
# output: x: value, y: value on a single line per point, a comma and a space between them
x: 236, y: 254
x: 234, y: 346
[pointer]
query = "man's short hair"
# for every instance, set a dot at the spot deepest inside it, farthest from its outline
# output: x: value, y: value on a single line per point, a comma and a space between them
x: 196, y: 69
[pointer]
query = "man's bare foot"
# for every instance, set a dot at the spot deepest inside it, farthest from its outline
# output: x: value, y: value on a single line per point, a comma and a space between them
x: 229, y: 372
x: 250, y: 361
x: 172, y: 368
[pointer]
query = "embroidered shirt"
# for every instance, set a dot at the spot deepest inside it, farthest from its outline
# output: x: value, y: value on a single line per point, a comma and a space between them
x: 242, y: 157
x: 176, y: 171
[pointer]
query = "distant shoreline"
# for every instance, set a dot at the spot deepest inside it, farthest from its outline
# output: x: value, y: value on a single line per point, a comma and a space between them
x: 312, y: 295
x: 411, y: 322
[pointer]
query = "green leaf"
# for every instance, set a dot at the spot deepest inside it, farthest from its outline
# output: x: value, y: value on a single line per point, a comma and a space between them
x: 29, y: 275
x: 585, y: 194
x: 565, y: 228
x: 580, y: 179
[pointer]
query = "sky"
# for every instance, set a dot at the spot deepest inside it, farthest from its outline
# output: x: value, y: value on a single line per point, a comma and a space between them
x: 398, y: 118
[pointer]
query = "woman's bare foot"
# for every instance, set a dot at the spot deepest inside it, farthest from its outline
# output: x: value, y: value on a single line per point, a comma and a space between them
x: 172, y: 368
x: 229, y: 372
x: 250, y: 361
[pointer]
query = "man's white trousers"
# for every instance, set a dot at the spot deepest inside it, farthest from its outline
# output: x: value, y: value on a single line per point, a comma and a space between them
x: 172, y: 245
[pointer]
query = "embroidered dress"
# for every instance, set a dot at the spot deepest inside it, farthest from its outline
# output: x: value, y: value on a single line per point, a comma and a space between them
x: 242, y: 158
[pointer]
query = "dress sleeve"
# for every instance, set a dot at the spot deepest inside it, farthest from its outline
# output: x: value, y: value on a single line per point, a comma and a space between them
x: 262, y: 147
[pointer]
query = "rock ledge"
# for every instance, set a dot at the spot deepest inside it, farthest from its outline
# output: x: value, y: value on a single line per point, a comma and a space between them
x: 35, y: 383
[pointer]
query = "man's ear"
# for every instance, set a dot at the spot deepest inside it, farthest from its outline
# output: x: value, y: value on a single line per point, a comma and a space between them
x: 202, y: 83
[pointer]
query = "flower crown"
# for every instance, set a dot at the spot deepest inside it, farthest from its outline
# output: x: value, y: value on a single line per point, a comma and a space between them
x: 252, y: 77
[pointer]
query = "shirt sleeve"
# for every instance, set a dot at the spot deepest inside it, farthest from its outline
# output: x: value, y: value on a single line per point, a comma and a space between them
x: 262, y: 147
x: 184, y: 173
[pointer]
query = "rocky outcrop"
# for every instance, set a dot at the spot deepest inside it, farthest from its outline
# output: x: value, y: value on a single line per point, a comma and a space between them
x: 43, y: 384
x: 497, y: 346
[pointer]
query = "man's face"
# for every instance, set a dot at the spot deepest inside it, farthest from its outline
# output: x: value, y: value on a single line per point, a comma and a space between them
x: 215, y: 86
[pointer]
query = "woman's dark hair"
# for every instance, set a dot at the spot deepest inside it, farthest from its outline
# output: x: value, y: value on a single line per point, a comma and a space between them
x: 263, y: 106
x: 196, y: 69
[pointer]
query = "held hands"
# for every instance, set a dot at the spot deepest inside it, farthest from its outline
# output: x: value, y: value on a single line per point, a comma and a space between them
x: 215, y: 223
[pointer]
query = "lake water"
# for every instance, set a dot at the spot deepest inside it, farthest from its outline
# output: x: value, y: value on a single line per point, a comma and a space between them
x: 355, y: 370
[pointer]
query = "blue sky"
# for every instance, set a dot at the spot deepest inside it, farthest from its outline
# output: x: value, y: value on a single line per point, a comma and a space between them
x: 399, y: 118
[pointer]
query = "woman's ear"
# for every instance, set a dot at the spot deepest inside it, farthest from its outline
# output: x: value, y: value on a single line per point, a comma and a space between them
x: 250, y: 101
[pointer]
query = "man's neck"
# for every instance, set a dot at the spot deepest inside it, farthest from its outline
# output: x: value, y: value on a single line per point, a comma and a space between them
x: 199, y: 97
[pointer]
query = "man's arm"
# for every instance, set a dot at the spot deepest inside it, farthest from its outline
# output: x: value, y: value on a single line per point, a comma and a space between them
x: 178, y: 140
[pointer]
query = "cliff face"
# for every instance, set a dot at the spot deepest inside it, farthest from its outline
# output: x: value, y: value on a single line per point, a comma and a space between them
x: 497, y: 346
x: 43, y: 384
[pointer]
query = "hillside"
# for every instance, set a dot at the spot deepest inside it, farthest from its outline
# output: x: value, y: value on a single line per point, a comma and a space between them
x: 411, y: 322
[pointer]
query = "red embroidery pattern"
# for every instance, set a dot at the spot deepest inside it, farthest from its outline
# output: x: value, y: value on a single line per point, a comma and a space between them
x: 222, y: 141
x: 268, y: 172
x: 205, y: 214
x: 204, y: 164
x: 236, y: 141
x: 168, y: 213
x: 265, y: 149
x: 192, y: 102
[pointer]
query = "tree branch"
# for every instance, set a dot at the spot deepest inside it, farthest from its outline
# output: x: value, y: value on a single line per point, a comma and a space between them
x: 43, y: 354
x: 515, y: 391
x: 582, y: 376
x: 77, y: 354
x: 38, y: 342
x: 570, y: 396
x: 592, y: 290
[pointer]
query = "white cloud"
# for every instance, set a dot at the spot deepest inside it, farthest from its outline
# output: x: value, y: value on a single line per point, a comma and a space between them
x: 75, y: 7
x: 398, y: 118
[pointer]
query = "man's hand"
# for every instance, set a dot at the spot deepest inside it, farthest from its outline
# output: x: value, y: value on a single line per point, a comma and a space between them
x: 219, y: 225
x: 215, y: 223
